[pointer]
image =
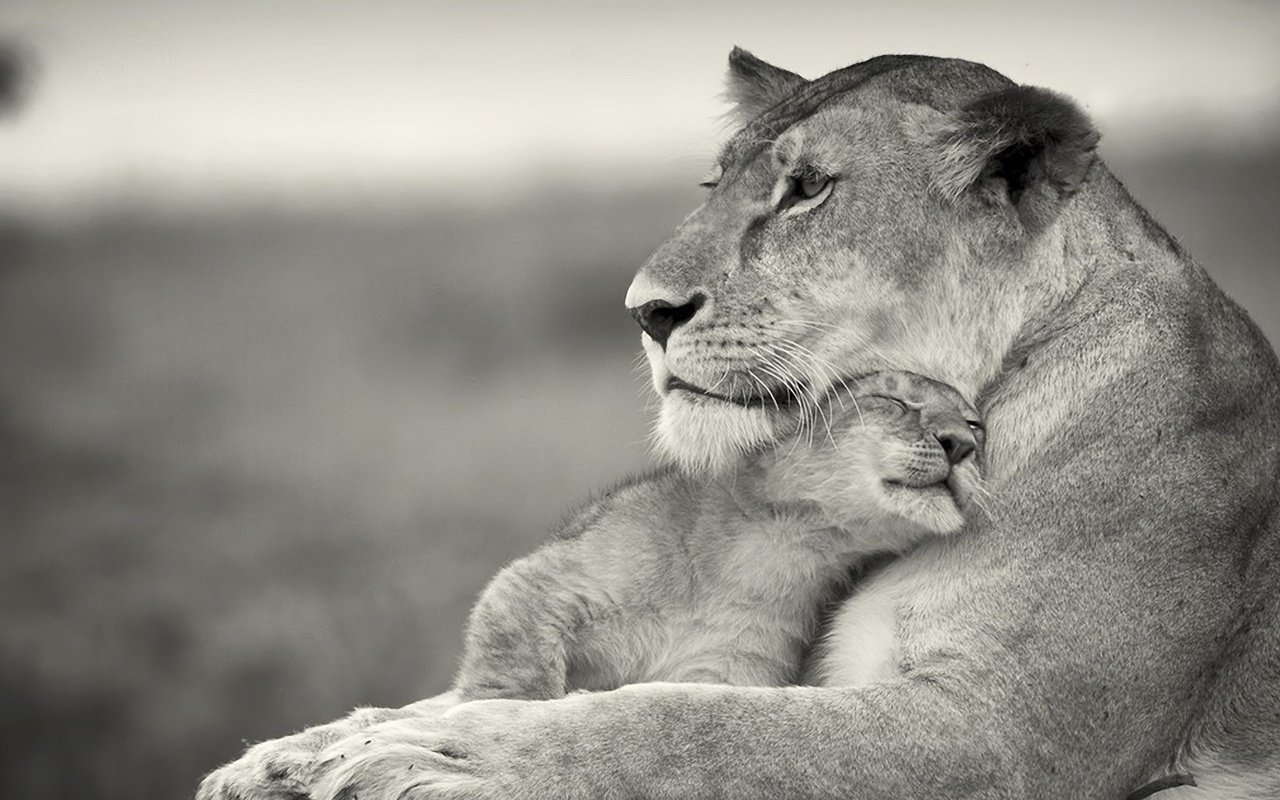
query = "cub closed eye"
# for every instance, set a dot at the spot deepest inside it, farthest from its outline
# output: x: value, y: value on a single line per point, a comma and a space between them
x: 804, y: 189
x: 901, y: 406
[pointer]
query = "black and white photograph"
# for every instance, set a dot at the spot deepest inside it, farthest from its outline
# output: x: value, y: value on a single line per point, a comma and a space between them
x: 578, y: 400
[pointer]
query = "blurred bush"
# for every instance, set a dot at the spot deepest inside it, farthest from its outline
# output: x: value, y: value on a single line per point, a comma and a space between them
x: 256, y: 464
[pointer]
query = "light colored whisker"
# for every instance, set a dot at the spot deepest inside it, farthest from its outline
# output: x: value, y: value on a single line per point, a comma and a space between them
x: 764, y: 388
x: 770, y: 370
x: 771, y: 367
x: 799, y: 383
x: 820, y: 366
x: 724, y: 376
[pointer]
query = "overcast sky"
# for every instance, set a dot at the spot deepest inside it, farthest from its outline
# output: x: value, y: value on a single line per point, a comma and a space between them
x: 200, y: 96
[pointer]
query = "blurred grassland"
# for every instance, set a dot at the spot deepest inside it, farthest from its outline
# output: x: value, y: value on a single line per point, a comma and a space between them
x: 256, y: 464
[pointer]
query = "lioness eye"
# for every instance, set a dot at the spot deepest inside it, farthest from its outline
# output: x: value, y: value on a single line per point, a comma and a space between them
x: 712, y: 178
x: 807, y: 188
x: 812, y: 182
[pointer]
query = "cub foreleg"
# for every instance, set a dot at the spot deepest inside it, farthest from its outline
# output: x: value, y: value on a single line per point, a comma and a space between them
x: 519, y: 631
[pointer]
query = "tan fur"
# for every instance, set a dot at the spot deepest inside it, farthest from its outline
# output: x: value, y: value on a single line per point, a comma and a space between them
x: 1115, y: 620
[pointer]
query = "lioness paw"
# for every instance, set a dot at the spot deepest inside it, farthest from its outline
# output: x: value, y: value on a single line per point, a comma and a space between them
x: 284, y: 768
x: 280, y: 769
x: 394, y: 761
x: 477, y: 751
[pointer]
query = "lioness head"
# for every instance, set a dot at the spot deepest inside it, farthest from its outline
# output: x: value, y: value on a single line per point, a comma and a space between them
x: 895, y: 451
x: 901, y: 213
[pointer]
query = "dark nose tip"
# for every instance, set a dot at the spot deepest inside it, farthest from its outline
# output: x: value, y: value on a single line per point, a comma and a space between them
x: 658, y: 318
x: 957, y: 444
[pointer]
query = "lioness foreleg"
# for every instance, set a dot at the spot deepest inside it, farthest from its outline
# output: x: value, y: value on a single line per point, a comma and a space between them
x: 683, y: 741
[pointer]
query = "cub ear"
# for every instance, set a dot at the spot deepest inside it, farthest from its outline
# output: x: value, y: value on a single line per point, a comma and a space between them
x: 1024, y: 147
x: 755, y: 86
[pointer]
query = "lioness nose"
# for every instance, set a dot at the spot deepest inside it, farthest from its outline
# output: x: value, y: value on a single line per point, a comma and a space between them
x: 659, y: 318
x: 957, y: 442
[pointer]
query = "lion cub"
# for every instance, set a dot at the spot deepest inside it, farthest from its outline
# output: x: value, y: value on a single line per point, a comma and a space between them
x: 722, y: 579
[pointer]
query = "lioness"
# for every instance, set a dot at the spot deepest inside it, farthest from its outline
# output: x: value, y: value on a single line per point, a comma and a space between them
x: 1115, y: 626
x: 721, y: 578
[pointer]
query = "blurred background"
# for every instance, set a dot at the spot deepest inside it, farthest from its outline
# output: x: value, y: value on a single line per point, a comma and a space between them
x: 311, y: 313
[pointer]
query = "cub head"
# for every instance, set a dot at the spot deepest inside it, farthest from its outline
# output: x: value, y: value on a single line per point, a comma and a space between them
x: 900, y: 214
x: 895, y: 451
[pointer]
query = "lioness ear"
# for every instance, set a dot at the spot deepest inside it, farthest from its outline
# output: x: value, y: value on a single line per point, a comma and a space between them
x: 756, y: 85
x: 1026, y: 147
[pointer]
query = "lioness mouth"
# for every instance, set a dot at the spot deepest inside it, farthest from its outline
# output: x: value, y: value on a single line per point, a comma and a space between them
x: 781, y: 398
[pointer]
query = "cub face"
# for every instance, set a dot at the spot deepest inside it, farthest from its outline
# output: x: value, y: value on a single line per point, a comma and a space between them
x: 895, y: 451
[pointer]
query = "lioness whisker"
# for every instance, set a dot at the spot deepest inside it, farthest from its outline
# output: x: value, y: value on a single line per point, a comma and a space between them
x: 781, y: 347
x: 764, y: 387
x: 822, y: 367
x: 797, y: 388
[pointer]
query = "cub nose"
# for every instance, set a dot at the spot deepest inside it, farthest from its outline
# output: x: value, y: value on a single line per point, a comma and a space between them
x: 957, y: 442
x: 659, y: 318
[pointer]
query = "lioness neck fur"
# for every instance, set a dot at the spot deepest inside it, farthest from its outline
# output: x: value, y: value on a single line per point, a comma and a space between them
x: 721, y: 578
